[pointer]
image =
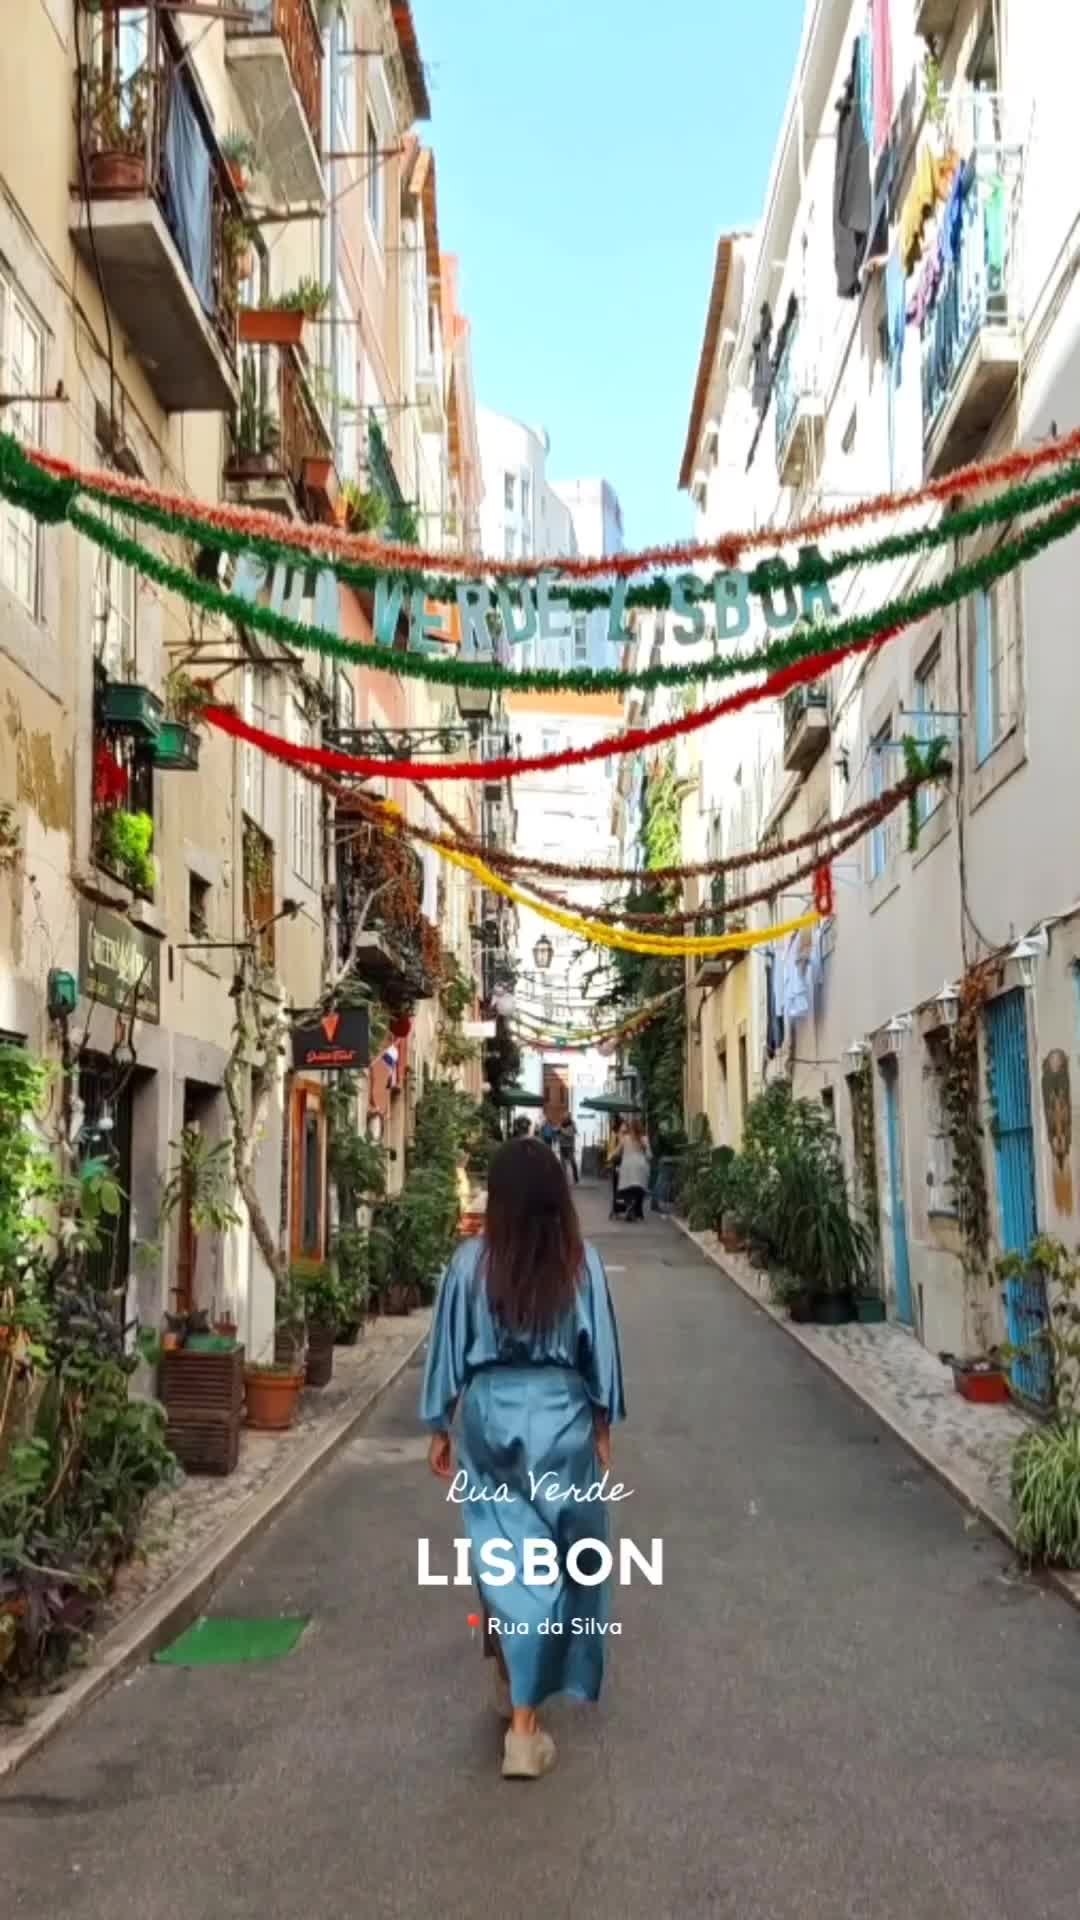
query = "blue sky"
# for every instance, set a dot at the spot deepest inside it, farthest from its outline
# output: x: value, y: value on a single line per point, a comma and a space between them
x: 588, y: 153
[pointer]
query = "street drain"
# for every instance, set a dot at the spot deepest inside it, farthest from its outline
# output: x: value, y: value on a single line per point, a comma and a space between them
x: 229, y: 1643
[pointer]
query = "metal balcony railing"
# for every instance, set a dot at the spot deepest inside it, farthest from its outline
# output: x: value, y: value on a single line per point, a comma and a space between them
x: 296, y: 24
x: 979, y: 296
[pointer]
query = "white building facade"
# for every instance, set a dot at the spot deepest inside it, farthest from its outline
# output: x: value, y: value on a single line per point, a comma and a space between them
x: 912, y: 305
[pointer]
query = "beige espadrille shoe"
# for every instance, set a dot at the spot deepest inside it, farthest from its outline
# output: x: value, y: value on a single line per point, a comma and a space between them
x: 526, y: 1756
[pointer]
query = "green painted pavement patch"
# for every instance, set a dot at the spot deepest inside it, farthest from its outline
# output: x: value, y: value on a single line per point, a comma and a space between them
x: 226, y: 1643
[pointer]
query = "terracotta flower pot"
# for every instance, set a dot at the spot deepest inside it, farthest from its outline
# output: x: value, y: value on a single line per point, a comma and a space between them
x: 271, y: 327
x: 238, y: 176
x: 271, y: 1398
x: 228, y: 1329
x: 117, y: 172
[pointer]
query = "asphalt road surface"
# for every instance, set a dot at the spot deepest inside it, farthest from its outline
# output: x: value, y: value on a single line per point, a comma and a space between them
x: 844, y: 1702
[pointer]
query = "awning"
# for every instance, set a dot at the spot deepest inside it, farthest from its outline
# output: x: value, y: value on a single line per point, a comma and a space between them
x: 610, y: 1103
x: 517, y: 1097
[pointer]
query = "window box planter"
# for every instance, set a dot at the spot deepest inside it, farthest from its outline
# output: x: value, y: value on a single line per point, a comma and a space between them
x: 869, y: 1309
x: 253, y: 466
x: 983, y: 1382
x: 129, y: 708
x: 176, y: 749
x: 321, y: 484
x: 202, y: 1390
x: 833, y: 1310
x: 271, y: 327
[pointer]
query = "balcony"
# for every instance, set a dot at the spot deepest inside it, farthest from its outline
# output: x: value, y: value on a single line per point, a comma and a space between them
x: 972, y: 334
x: 383, y: 937
x: 165, y: 220
x: 278, y: 430
x: 806, y: 726
x: 935, y: 18
x: 276, y: 62
x: 799, y: 412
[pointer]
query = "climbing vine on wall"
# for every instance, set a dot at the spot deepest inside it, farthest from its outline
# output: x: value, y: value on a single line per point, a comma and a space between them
x: 862, y: 1103
x: 963, y: 1119
x: 657, y: 1052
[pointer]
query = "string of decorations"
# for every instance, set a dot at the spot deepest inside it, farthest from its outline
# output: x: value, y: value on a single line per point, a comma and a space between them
x: 394, y: 557
x: 770, y: 575
x: 52, y: 501
x: 925, y: 767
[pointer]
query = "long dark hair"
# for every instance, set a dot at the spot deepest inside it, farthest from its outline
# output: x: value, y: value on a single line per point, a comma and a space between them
x: 533, y: 1251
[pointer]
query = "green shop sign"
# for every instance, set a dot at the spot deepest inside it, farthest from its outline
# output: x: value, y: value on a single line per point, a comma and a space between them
x: 119, y: 965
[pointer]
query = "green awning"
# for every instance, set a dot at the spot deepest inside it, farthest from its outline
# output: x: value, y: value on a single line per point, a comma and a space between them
x: 517, y: 1097
x: 610, y: 1103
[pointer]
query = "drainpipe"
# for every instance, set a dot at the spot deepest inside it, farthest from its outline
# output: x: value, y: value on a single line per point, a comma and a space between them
x: 328, y: 230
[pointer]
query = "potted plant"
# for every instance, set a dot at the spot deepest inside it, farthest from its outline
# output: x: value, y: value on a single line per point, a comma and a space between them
x: 117, y: 113
x: 200, y: 1183
x: 238, y: 251
x: 280, y: 320
x: 869, y: 1307
x: 241, y: 156
x: 788, y: 1290
x: 273, y: 1389
x: 123, y: 843
x: 317, y: 1285
x: 256, y: 436
x: 362, y: 510
x: 980, y: 1378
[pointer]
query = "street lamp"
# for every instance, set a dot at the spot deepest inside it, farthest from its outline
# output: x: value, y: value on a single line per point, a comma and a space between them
x: 1026, y: 952
x: 474, y: 704
x: 854, y: 1055
x: 947, y: 1003
x: 898, y: 1026
x: 543, y: 953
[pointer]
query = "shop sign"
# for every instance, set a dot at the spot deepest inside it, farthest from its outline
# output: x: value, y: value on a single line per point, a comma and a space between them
x: 119, y: 964
x: 335, y: 1044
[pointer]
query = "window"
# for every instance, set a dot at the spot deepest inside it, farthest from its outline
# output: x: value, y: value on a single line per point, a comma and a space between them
x: 114, y: 609
x: 254, y: 771
x: 526, y: 499
x: 744, y: 1076
x: 723, y: 1097
x: 550, y: 740
x: 376, y: 197
x: 304, y: 813
x: 581, y: 639
x: 928, y: 705
x: 347, y: 386
x: 508, y: 492
x: 994, y: 648
x: 940, y: 1193
x: 344, y: 85
x: 510, y: 544
x: 308, y: 1186
x: 346, y: 701
x: 198, y: 907
x: 21, y: 372
x: 881, y: 839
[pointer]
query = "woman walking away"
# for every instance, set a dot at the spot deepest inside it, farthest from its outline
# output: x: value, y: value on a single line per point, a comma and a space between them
x: 634, y: 1170
x: 524, y: 1340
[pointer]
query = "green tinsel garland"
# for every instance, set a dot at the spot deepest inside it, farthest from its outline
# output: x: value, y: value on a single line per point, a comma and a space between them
x: 52, y: 500
x: 770, y: 575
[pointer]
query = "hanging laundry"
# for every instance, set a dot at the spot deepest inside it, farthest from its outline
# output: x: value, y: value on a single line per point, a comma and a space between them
x: 932, y: 183
x: 851, y: 187
x: 762, y: 360
x: 881, y: 61
x: 994, y: 226
x: 866, y: 85
x: 797, y: 981
x: 895, y: 316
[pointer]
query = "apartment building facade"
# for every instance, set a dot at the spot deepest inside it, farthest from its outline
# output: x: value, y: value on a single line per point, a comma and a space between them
x: 201, y: 174
x: 909, y: 304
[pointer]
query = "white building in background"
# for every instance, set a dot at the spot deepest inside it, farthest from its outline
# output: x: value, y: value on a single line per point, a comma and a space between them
x: 913, y: 304
x: 564, y: 815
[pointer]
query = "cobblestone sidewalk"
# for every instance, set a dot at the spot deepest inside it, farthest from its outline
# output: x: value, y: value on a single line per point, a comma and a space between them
x: 191, y: 1529
x: 967, y: 1446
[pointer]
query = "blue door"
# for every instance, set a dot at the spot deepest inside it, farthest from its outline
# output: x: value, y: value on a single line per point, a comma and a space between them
x: 905, y: 1311
x: 1014, y: 1154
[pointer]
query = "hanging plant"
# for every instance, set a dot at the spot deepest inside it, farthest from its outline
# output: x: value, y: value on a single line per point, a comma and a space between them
x: 862, y: 1096
x: 962, y: 1108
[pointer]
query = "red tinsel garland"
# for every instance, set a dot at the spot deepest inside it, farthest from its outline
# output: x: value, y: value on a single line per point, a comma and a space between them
x: 726, y: 551
x: 363, y: 767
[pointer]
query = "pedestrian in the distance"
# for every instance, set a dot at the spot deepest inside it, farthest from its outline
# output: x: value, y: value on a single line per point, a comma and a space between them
x: 634, y: 1170
x: 614, y: 1156
x: 568, y: 1147
x: 524, y: 1344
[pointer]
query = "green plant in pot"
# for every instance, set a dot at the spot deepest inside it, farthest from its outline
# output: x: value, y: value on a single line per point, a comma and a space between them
x: 125, y: 843
x: 317, y: 1287
x: 200, y: 1184
x: 309, y: 297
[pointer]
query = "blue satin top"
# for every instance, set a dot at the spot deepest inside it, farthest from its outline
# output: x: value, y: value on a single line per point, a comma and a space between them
x: 466, y: 1339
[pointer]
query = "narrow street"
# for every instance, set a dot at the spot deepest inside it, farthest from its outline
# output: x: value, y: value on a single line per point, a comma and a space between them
x: 843, y: 1702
